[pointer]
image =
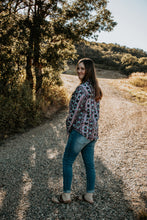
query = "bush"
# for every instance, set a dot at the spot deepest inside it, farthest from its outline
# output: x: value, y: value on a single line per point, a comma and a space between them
x: 142, y: 215
x: 18, y: 111
x: 143, y: 61
x: 52, y: 95
x: 128, y: 59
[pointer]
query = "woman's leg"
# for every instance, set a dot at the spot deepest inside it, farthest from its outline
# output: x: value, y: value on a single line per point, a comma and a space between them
x: 88, y: 158
x: 76, y: 142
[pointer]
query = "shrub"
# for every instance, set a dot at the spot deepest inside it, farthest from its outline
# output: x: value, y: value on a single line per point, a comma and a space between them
x: 142, y: 215
x: 128, y: 59
x: 18, y: 111
x: 52, y: 95
x: 143, y: 60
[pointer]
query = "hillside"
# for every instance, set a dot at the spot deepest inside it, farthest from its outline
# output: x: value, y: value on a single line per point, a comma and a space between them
x: 114, y: 56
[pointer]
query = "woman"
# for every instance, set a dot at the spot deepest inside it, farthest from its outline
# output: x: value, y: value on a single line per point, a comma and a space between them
x: 82, y: 127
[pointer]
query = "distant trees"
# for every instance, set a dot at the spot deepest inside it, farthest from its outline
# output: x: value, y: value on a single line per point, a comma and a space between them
x: 128, y: 59
x: 143, y: 61
x: 130, y: 63
x: 114, y: 56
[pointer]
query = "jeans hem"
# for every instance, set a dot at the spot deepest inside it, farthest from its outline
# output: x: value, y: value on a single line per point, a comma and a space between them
x: 90, y: 191
x: 67, y: 191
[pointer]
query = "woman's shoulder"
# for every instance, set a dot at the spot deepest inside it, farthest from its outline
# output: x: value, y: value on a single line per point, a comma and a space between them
x: 80, y: 88
x: 88, y: 87
x: 84, y: 88
x: 79, y: 91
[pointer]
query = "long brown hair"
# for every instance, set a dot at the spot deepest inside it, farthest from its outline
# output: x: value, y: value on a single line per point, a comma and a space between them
x: 90, y: 74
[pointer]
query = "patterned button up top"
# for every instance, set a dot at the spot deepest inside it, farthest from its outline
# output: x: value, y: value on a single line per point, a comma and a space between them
x: 84, y: 112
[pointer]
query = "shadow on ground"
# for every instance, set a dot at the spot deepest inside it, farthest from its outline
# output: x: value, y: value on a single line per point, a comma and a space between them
x: 31, y: 173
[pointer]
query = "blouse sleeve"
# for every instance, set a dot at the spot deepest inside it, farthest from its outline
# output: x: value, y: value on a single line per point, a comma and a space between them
x: 76, y: 104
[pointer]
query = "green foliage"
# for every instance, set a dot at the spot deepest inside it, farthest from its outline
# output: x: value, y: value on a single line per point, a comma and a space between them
x: 43, y: 32
x: 113, y: 56
x: 143, y: 61
x: 12, y: 46
x: 36, y: 40
x: 128, y: 59
x: 18, y: 111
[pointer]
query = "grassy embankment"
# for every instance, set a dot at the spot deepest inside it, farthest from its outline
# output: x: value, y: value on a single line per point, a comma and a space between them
x: 135, y: 86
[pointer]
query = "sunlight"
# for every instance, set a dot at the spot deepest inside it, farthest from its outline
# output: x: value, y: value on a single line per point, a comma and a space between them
x: 2, y: 196
x: 32, y: 156
x: 24, y: 201
x: 52, y: 154
x: 55, y: 183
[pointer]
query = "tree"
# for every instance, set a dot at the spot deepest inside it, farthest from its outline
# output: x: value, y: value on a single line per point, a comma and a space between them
x: 50, y: 27
x: 7, y: 58
x: 143, y: 61
x: 128, y: 59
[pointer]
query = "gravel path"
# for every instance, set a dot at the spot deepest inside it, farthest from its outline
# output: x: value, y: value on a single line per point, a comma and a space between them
x: 31, y: 165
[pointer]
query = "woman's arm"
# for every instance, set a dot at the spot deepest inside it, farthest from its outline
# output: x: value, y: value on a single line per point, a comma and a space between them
x: 77, y: 103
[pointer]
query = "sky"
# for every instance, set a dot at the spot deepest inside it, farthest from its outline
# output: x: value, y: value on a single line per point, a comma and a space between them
x: 131, y: 29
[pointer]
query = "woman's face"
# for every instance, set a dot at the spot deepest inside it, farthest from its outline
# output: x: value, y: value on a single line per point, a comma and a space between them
x: 81, y: 70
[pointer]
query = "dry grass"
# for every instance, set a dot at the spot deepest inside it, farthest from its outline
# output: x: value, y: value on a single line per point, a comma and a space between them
x: 53, y: 98
x: 139, y: 80
x: 138, y: 86
x: 135, y: 87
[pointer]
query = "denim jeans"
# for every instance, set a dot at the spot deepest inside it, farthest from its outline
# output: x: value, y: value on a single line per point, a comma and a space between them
x: 78, y: 143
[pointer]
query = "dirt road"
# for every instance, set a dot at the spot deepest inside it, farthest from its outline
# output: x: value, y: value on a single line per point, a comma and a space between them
x: 31, y: 164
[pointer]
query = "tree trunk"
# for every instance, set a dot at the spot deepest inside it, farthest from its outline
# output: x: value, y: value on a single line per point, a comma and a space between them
x: 37, y: 38
x: 37, y: 64
x: 29, y: 75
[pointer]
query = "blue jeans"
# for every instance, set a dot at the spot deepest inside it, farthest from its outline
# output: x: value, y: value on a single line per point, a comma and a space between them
x: 78, y: 143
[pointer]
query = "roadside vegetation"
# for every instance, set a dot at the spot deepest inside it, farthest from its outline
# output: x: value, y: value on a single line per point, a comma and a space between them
x: 36, y: 47
x: 138, y: 87
x: 134, y: 87
x: 37, y: 38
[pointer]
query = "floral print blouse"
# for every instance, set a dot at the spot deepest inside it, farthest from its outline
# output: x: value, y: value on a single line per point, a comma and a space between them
x: 84, y: 112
